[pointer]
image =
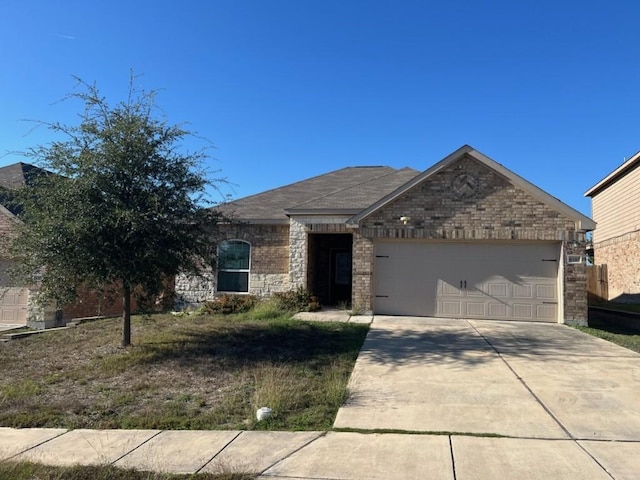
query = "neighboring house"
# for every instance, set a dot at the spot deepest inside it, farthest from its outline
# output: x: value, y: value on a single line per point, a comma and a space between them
x: 16, y: 302
x: 13, y: 300
x: 615, y: 205
x: 466, y: 238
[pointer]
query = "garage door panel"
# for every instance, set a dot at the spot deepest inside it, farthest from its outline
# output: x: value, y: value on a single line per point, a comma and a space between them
x: 497, y: 310
x: 546, y: 292
x: 466, y: 279
x: 445, y: 288
x: 523, y: 311
x: 450, y: 308
x: 522, y: 291
x: 496, y: 289
x: 547, y: 312
x: 476, y: 309
x: 475, y: 291
x: 13, y: 305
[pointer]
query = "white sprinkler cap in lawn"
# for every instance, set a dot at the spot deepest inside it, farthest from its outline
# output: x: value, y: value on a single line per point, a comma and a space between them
x: 263, y: 413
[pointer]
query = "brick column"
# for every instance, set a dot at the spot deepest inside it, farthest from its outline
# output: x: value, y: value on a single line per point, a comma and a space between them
x: 576, y: 308
x: 362, y: 273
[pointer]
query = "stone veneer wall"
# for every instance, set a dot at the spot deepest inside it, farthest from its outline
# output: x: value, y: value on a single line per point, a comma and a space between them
x: 494, y: 210
x: 194, y: 289
x: 269, y: 264
x: 298, y: 253
x: 622, y: 257
x: 299, y: 229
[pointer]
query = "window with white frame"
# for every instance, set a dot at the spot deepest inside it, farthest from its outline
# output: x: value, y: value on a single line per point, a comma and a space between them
x: 234, y: 258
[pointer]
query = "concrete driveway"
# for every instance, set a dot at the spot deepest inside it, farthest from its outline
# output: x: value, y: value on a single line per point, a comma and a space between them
x: 503, y: 378
x: 513, y: 398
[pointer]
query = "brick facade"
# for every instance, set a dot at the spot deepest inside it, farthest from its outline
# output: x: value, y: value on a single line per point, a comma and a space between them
x: 494, y: 210
x: 269, y: 264
x: 622, y: 257
x: 362, y: 288
x: 90, y: 303
x: 470, y: 198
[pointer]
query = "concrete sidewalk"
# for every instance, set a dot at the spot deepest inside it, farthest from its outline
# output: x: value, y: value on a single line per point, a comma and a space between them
x: 332, y: 455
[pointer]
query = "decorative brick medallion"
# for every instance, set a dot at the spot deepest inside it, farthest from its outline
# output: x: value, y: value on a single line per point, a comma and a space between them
x: 464, y: 185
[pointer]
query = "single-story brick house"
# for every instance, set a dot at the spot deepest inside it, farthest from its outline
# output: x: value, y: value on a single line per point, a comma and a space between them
x: 466, y: 238
x: 615, y: 205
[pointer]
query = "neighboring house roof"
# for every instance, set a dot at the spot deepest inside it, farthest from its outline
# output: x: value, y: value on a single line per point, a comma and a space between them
x: 582, y: 222
x: 15, y: 176
x: 345, y: 191
x: 18, y: 175
x: 621, y: 171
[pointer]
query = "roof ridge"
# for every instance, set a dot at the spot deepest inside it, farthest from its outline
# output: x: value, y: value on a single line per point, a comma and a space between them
x: 395, y: 171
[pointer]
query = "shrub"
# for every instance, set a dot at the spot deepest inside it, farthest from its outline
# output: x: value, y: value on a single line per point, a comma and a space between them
x: 299, y: 300
x: 227, y: 304
x: 267, y: 310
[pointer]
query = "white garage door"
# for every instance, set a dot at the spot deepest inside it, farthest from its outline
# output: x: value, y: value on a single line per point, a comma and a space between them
x: 468, y: 280
x: 13, y: 305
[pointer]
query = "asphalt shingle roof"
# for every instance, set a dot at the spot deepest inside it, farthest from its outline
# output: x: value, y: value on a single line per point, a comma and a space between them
x: 15, y: 176
x: 350, y: 189
x: 18, y: 175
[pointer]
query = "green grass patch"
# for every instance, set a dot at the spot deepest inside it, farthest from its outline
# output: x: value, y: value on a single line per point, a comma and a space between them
x: 624, y: 337
x: 20, y: 390
x: 189, y: 372
x: 33, y: 471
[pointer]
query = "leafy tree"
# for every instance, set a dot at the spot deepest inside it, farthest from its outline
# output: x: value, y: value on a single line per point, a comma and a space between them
x: 124, y: 207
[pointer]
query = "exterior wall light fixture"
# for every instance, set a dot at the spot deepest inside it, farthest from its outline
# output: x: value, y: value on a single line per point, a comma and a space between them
x: 404, y: 219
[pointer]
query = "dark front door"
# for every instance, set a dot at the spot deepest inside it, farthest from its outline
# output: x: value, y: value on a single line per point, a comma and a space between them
x: 340, y: 276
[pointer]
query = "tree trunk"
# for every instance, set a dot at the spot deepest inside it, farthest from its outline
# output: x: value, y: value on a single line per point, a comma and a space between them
x: 126, y: 314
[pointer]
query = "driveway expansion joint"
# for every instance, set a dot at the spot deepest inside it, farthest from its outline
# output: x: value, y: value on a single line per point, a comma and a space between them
x: 588, y: 453
x: 524, y: 384
x: 453, y: 459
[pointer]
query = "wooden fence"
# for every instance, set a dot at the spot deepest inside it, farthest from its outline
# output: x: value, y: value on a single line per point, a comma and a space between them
x: 597, y: 283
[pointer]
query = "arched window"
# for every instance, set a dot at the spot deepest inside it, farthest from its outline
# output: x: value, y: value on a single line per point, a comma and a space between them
x: 234, y: 259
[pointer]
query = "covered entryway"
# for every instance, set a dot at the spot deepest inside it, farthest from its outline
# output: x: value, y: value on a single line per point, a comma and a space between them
x: 508, y: 281
x: 330, y: 267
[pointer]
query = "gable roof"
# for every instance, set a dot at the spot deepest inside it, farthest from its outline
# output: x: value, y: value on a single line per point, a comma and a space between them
x: 582, y: 222
x: 614, y: 176
x: 13, y: 177
x: 18, y: 175
x: 346, y: 191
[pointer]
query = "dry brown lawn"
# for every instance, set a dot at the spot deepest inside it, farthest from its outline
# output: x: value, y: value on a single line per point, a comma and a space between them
x: 195, y: 372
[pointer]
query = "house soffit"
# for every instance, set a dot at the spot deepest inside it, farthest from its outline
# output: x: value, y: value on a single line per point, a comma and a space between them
x: 614, y: 176
x: 582, y: 222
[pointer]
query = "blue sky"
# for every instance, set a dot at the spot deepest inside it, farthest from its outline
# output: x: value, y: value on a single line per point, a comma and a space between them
x: 288, y: 89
